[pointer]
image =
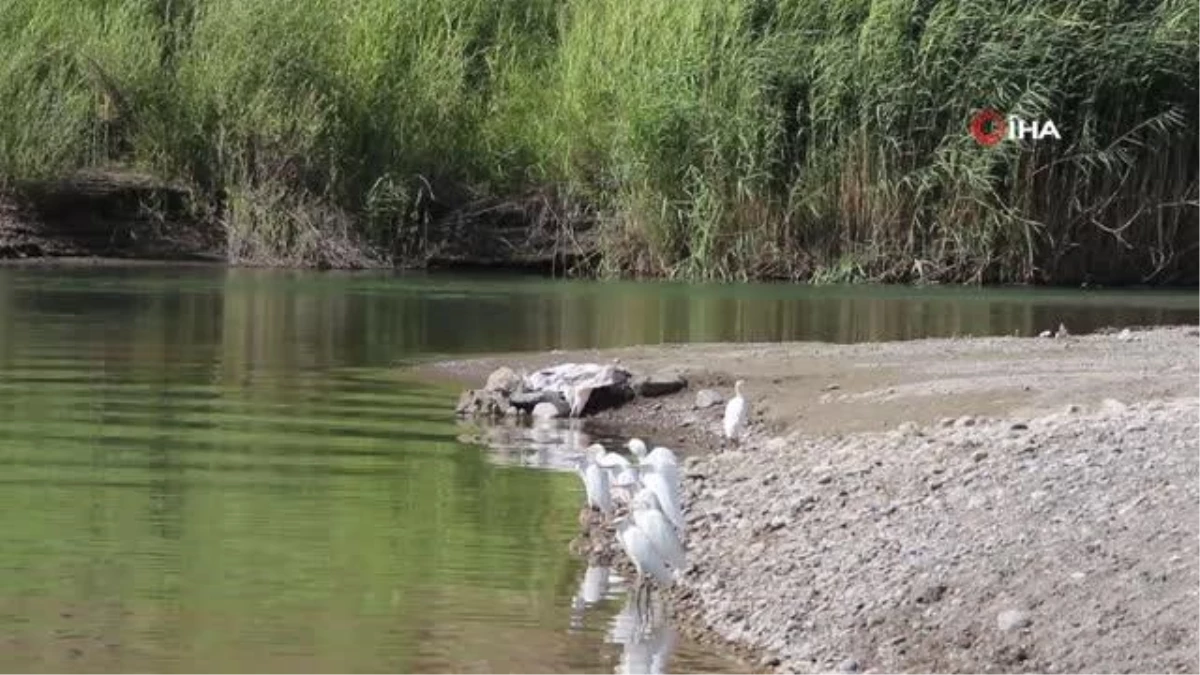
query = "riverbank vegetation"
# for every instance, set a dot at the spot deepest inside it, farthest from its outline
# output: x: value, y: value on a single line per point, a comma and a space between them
x: 707, y: 139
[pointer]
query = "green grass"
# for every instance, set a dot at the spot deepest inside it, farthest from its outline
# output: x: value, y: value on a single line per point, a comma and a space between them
x: 726, y: 139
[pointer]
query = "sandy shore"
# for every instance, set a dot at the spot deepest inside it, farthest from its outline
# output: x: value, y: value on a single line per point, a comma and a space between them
x: 987, y: 505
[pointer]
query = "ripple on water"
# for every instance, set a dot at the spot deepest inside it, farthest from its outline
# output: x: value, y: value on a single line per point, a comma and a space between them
x: 168, y: 519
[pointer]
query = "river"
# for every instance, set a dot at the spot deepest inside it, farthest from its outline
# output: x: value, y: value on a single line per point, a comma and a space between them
x: 210, y: 469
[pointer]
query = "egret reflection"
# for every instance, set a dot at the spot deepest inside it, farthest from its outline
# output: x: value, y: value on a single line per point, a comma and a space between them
x: 633, y: 528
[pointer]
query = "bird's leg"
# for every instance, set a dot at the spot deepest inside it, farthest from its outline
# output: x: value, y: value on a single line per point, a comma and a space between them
x: 642, y: 600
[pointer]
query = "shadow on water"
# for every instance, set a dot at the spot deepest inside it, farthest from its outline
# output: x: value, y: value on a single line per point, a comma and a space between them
x: 206, y: 469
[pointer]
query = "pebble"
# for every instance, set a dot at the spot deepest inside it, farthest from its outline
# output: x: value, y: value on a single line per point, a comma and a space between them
x: 1113, y: 405
x: 849, y: 666
x: 545, y: 411
x: 1012, y: 619
x: 776, y: 444
x: 707, y: 398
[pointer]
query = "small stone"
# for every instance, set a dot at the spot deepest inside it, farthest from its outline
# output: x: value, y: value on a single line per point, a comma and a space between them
x: 688, y: 421
x: 966, y: 421
x: 1112, y: 405
x: 824, y: 479
x: 660, y: 384
x: 1012, y: 619
x: 1125, y: 335
x: 546, y: 411
x: 776, y: 444
x: 979, y: 456
x: 848, y: 666
x: 1019, y: 426
x: 503, y: 379
x: 832, y: 387
x: 707, y: 398
x: 909, y: 428
x: 1044, y: 334
x: 1071, y: 409
x: 931, y: 594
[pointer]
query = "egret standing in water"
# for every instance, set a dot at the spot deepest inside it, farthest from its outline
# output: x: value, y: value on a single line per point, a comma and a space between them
x: 736, y: 413
x: 595, y: 484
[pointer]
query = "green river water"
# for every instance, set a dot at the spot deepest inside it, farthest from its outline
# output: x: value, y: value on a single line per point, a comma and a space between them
x: 210, y: 469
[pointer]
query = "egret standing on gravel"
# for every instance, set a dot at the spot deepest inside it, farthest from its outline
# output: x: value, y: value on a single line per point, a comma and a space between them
x: 646, y: 559
x: 648, y: 516
x: 661, y: 456
x: 665, y: 463
x: 624, y: 478
x: 663, y: 482
x: 736, y: 412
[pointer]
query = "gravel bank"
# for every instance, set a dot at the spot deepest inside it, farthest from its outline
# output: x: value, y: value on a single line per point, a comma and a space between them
x: 1060, y: 543
x: 968, y: 505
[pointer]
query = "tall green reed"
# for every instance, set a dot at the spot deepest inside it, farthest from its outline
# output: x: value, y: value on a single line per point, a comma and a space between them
x: 730, y: 139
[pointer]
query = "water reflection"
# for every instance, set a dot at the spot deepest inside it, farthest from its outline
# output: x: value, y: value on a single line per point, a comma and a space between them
x: 644, y: 630
x: 540, y: 444
x: 219, y: 470
x: 643, y: 627
x: 242, y: 323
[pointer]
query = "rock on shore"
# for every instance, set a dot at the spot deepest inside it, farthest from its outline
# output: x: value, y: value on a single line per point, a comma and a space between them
x: 1062, y: 543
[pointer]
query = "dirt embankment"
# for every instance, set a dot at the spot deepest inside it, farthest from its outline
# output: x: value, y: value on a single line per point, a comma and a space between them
x: 988, y: 505
x: 109, y: 215
x: 104, y: 214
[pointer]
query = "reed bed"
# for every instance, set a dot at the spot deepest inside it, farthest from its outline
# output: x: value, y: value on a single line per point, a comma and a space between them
x: 710, y: 139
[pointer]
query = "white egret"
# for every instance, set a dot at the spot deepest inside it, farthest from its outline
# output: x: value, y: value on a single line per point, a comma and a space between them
x: 648, y: 516
x: 624, y: 476
x: 736, y: 413
x: 660, y: 481
x: 646, y: 559
x: 595, y: 484
x: 663, y: 461
x: 661, y: 455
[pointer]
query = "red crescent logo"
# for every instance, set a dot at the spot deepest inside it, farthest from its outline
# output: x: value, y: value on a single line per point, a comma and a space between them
x: 988, y: 127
